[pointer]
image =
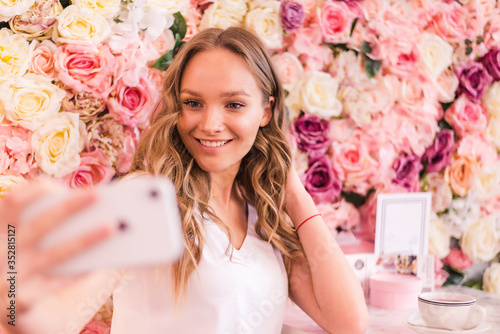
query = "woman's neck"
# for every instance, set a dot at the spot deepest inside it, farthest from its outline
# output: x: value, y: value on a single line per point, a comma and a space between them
x: 223, y: 191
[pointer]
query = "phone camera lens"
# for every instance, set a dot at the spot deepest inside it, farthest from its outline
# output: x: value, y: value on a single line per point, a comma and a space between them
x: 153, y: 193
x: 122, y: 226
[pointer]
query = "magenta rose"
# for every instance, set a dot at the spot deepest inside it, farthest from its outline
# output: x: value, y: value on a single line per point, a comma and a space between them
x: 96, y: 327
x: 292, y: 15
x: 132, y: 106
x: 321, y: 181
x: 94, y: 168
x: 407, y: 168
x: 491, y: 62
x: 311, y: 133
x: 457, y: 259
x: 84, y: 67
x: 437, y: 156
x: 473, y: 79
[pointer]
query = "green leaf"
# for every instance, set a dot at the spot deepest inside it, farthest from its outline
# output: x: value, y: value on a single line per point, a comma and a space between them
x: 456, y: 276
x: 479, y: 40
x: 468, y: 41
x: 164, y: 61
x: 353, y: 26
x: 468, y: 50
x: 443, y: 125
x: 372, y: 66
x: 366, y: 48
x: 179, y: 26
x: 474, y: 283
x: 356, y: 199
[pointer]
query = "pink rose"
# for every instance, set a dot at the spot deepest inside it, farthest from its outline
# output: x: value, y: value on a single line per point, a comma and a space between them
x: 192, y: 23
x: 126, y: 155
x: 42, y: 58
x: 155, y: 49
x: 418, y: 98
x: 479, y: 148
x: 16, y: 154
x: 440, y: 276
x: 467, y: 117
x: 341, y: 129
x: 318, y: 58
x: 342, y: 215
x: 400, y: 55
x: 198, y: 7
x: 354, y: 164
x: 440, y: 189
x: 84, y: 67
x: 490, y: 206
x: 492, y: 33
x: 336, y: 19
x: 132, y: 105
x: 305, y: 39
x: 450, y: 21
x: 130, y: 66
x: 94, y: 169
x: 289, y: 68
x: 447, y: 84
x: 457, y: 259
x: 156, y: 77
x: 96, y: 327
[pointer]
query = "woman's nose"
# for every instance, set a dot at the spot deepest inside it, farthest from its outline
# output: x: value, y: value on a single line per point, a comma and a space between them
x: 212, y: 121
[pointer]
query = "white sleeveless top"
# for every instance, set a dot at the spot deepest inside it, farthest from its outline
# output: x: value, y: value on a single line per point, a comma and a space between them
x: 243, y: 294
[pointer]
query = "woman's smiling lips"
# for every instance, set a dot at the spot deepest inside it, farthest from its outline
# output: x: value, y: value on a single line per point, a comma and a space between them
x: 212, y: 145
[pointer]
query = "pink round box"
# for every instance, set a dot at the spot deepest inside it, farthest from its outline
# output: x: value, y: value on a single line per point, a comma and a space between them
x: 394, y: 291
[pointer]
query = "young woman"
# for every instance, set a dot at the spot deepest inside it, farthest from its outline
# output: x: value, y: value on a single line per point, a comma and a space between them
x: 252, y: 233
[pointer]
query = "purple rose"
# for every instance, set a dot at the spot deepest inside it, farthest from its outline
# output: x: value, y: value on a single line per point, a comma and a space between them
x: 321, y: 181
x: 491, y: 62
x: 292, y: 15
x: 407, y: 168
x: 311, y: 133
x: 473, y: 79
x: 437, y: 156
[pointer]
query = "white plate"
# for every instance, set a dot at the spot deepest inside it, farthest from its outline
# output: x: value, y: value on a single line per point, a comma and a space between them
x: 415, y: 323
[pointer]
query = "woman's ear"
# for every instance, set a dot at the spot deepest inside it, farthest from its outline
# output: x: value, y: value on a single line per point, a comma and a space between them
x: 268, y: 112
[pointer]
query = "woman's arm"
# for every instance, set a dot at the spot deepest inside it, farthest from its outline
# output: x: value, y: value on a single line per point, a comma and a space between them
x: 324, y: 285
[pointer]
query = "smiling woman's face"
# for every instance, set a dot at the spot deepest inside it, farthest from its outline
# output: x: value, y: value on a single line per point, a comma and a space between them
x: 222, y: 110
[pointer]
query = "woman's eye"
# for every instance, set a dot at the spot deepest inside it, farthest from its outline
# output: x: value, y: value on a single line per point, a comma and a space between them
x: 235, y: 105
x: 192, y: 104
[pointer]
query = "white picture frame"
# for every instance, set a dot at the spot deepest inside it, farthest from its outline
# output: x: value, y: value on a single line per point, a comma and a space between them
x: 402, y: 225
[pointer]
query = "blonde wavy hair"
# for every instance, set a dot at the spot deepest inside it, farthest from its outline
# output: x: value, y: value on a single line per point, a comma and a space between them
x: 263, y: 172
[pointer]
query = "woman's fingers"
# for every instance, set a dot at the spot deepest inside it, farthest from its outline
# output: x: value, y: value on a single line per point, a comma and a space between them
x: 69, y: 249
x: 55, y: 215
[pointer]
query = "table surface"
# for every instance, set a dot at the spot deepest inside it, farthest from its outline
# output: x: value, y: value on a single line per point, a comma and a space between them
x: 393, y: 321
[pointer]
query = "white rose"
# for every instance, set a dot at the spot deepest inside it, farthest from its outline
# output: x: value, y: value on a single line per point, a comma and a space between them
x: 80, y: 26
x: 221, y: 15
x: 265, y: 21
x: 491, y: 99
x: 491, y: 278
x: 493, y: 131
x: 30, y: 100
x: 290, y: 69
x: 318, y: 95
x: 170, y: 6
x: 487, y: 182
x: 439, y: 237
x: 57, y: 144
x: 107, y: 8
x: 14, y: 60
x: 9, y: 182
x: 481, y: 240
x: 435, y: 54
x: 293, y: 104
x: 11, y: 8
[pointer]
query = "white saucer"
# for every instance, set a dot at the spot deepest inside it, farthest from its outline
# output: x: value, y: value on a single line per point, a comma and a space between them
x: 415, y: 323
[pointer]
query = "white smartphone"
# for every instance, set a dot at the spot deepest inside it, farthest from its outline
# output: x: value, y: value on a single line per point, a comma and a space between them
x: 143, y: 213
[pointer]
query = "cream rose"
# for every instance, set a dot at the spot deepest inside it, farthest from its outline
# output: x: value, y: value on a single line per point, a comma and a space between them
x: 491, y: 99
x: 42, y: 58
x: 30, y: 100
x: 170, y: 6
x: 14, y: 60
x: 487, y: 182
x: 9, y: 182
x: 481, y: 241
x: 435, y: 54
x: 265, y: 21
x: 107, y: 8
x: 80, y: 26
x: 222, y: 14
x: 57, y: 144
x: 11, y: 8
x: 318, y: 95
x: 491, y: 278
x: 439, y: 237
x: 289, y: 69
x: 493, y: 131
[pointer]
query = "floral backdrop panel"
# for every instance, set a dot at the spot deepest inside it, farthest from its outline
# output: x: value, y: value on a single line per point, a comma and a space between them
x: 382, y: 96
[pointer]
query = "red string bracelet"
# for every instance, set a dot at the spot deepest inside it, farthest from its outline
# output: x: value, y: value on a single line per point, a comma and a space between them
x: 318, y: 214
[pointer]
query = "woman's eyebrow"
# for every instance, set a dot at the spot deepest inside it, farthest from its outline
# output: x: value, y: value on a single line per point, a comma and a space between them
x: 225, y: 94
x: 190, y: 92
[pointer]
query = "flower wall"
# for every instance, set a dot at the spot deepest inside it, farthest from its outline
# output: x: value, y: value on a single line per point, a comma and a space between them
x: 382, y: 96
